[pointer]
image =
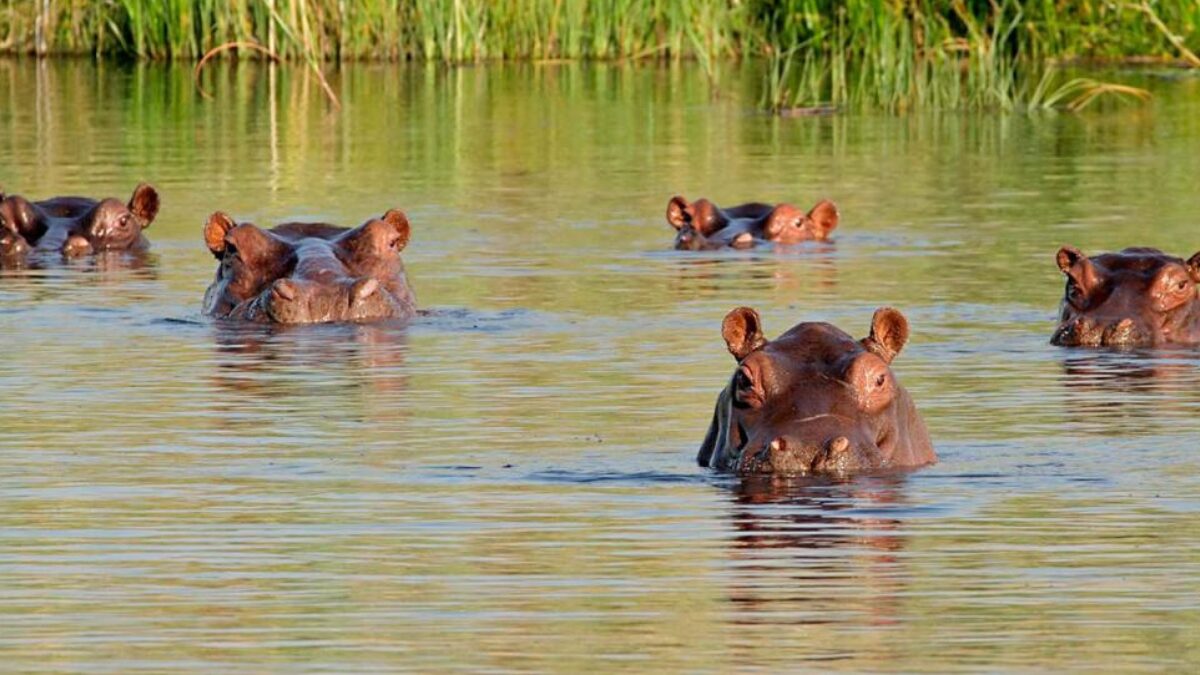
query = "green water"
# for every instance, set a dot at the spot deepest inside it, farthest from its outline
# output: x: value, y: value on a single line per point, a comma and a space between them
x: 508, y: 484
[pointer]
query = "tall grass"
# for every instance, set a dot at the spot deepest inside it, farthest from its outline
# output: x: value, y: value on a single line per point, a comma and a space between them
x: 472, y: 30
x: 900, y: 54
x: 889, y: 53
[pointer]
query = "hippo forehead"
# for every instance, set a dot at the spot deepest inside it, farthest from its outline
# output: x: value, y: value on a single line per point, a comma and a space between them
x: 111, y: 205
x: 1135, y: 263
x: 820, y: 346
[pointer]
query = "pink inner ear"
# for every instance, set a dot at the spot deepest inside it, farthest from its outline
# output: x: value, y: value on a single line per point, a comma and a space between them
x: 742, y: 332
x: 215, y: 230
x: 144, y: 203
x: 395, y: 218
x: 677, y: 212
x: 1193, y: 267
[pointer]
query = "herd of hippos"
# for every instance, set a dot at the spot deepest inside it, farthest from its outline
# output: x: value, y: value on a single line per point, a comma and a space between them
x: 812, y: 402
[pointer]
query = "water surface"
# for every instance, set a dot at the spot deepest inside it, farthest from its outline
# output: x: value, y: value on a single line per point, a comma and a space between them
x: 508, y: 483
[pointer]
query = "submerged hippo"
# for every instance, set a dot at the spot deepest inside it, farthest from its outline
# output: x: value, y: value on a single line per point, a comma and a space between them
x: 1140, y: 297
x: 75, y: 226
x: 309, y: 272
x: 814, y: 401
x: 702, y: 225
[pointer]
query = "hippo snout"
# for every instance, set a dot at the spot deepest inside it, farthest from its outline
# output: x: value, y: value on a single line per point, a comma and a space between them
x: 294, y: 300
x: 13, y: 245
x: 1087, y: 332
x: 77, y: 245
x: 804, y: 458
x: 688, y: 240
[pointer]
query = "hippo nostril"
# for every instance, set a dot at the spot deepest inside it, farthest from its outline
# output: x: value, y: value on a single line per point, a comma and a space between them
x: 839, y: 445
x: 364, y: 288
x: 284, y: 289
x: 76, y: 245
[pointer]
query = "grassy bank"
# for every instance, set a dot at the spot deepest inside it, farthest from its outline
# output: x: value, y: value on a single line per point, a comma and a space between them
x: 886, y: 53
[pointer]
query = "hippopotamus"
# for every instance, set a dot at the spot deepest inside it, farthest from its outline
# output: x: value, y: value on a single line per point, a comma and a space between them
x: 309, y: 272
x: 814, y: 402
x: 702, y: 225
x: 75, y: 226
x: 1139, y: 297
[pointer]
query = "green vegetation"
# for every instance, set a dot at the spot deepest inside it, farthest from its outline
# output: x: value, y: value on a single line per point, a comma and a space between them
x: 893, y: 54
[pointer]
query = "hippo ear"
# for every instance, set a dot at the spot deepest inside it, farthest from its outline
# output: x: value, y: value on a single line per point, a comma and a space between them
x: 218, y: 225
x: 1193, y: 265
x: 1076, y: 265
x: 399, y: 221
x: 679, y: 212
x: 889, y: 333
x: 780, y: 219
x: 144, y: 204
x: 1067, y: 257
x: 823, y: 218
x: 742, y: 330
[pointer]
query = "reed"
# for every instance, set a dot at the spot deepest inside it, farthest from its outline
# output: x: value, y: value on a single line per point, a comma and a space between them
x: 895, y: 54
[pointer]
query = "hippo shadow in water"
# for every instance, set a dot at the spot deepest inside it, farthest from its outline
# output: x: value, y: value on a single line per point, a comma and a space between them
x: 265, y: 363
x: 105, y: 267
x: 1148, y: 388
x: 798, y: 545
x: 811, y: 270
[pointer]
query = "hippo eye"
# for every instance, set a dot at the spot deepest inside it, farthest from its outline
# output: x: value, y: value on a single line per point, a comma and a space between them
x: 231, y: 250
x: 880, y: 381
x: 123, y: 222
x: 1182, y: 284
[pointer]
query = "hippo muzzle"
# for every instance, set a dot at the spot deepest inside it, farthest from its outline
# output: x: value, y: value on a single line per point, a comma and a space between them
x: 304, y: 301
x: 1092, y: 332
x: 814, y: 450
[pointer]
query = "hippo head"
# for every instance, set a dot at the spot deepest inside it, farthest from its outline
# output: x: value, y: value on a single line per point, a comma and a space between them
x: 814, y: 401
x: 702, y: 225
x: 1139, y: 297
x: 786, y: 224
x: 113, y: 225
x: 309, y: 272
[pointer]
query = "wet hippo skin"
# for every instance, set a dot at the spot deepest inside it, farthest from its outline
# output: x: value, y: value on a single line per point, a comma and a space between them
x: 814, y: 401
x: 1139, y: 297
x: 309, y: 272
x: 702, y: 225
x: 75, y: 226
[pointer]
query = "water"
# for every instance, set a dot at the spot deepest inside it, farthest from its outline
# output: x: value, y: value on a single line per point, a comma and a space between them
x: 508, y: 484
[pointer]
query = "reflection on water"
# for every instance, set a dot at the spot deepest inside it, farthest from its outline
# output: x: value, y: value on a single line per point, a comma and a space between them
x: 514, y: 469
x: 792, y: 540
